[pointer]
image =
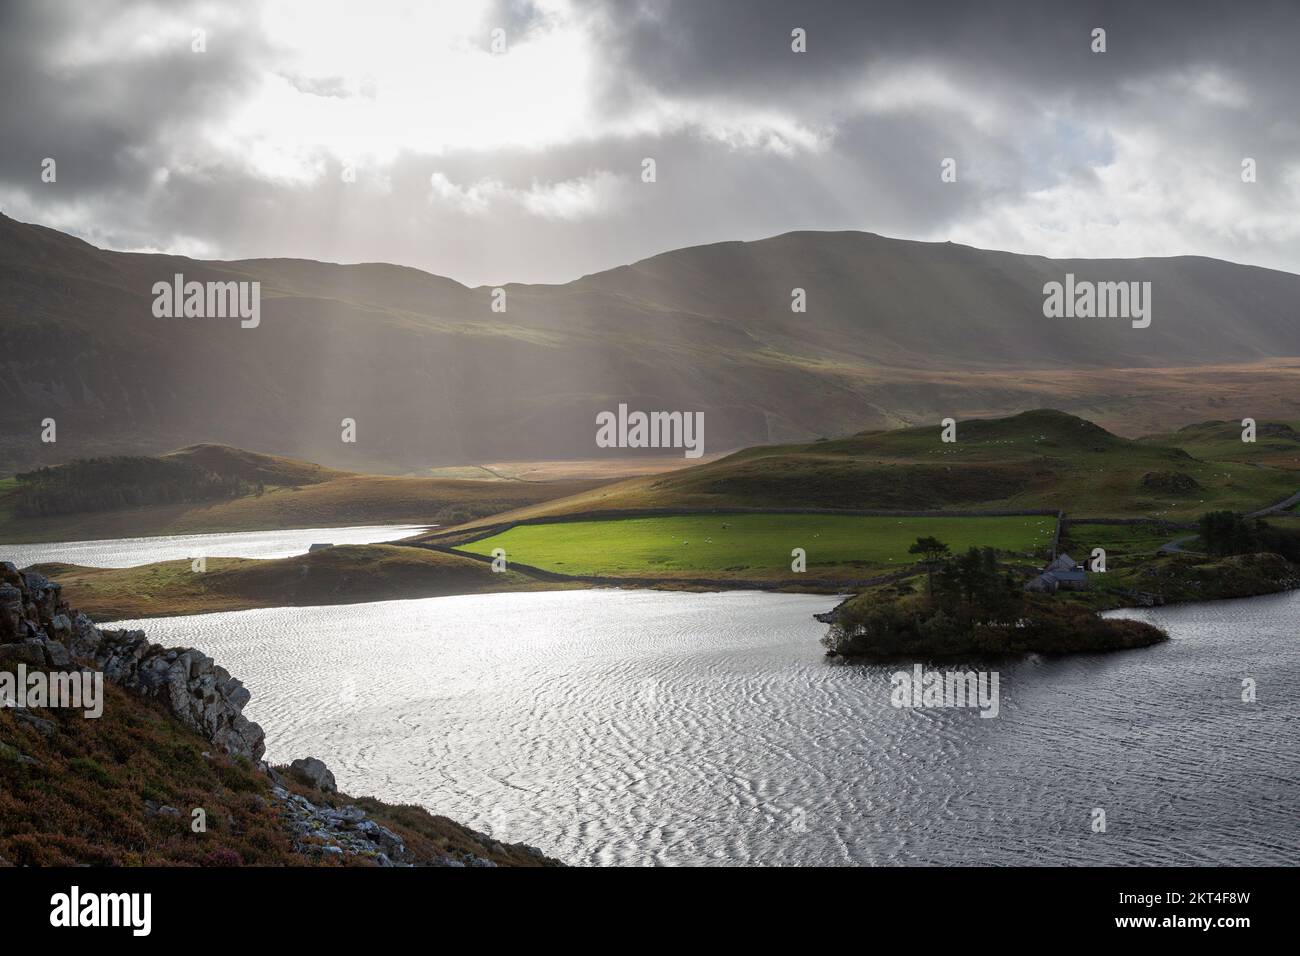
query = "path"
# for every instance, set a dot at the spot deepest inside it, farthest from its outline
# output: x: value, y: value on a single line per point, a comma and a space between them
x: 1176, y: 545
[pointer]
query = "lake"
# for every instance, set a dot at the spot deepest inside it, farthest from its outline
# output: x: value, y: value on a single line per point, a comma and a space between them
x: 637, y: 727
x: 131, y: 552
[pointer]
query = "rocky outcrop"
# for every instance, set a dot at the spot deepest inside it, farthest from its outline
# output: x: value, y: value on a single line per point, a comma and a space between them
x: 339, y: 832
x: 38, y: 629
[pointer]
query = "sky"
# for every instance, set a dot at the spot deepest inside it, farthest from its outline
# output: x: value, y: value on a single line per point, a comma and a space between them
x: 506, y: 140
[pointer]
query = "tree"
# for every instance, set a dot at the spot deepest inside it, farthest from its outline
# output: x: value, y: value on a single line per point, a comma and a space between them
x: 1226, y: 532
x: 932, y: 551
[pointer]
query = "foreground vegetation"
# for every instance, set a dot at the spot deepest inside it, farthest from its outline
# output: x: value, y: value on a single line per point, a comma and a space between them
x: 77, y: 792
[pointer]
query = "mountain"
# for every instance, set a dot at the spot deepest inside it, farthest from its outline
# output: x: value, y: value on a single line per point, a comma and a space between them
x: 895, y: 333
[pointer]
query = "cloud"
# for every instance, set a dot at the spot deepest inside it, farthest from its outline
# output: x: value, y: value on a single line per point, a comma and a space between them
x: 571, y: 200
x: 524, y: 164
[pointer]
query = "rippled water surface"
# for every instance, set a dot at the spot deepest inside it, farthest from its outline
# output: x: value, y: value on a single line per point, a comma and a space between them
x: 130, y: 552
x: 664, y: 728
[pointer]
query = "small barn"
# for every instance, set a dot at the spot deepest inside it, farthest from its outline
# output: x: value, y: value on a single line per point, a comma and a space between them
x: 1062, y: 574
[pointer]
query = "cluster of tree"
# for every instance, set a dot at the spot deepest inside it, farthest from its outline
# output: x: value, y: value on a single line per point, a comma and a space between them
x: 1227, y: 532
x: 972, y: 580
x: 973, y: 606
x: 101, y: 484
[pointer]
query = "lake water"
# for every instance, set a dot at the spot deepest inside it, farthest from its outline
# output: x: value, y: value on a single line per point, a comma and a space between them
x: 634, y: 727
x: 130, y: 552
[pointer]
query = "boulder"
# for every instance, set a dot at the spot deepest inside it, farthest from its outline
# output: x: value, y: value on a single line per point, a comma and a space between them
x: 57, y: 655
x: 314, y: 772
x: 42, y: 726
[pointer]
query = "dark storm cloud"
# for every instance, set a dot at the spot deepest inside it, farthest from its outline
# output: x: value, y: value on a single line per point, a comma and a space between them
x: 739, y: 47
x: 103, y: 124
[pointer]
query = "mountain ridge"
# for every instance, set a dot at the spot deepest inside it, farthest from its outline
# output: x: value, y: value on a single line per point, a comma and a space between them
x: 897, y: 332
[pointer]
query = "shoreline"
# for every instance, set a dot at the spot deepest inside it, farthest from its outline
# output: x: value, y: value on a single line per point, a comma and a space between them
x: 524, y: 582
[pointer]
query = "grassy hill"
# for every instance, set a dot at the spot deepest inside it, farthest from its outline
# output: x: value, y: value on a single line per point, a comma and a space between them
x: 1040, y: 459
x: 346, y: 574
x: 1276, y: 445
x: 275, y: 493
x: 252, y: 467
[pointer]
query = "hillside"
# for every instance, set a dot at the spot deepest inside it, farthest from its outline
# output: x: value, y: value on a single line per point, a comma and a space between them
x: 1041, y: 459
x: 345, y: 574
x: 251, y: 466
x: 896, y: 333
x: 256, y: 493
x: 1277, y: 444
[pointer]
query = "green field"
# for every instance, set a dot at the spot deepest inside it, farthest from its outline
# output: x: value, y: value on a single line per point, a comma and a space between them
x: 1138, y: 541
x: 756, y: 545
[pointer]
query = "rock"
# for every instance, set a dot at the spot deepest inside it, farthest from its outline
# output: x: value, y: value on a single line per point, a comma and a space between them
x: 57, y: 655
x: 11, y: 612
x: 42, y: 726
x: 383, y: 837
x: 347, y: 815
x: 17, y: 756
x: 31, y: 653
x: 315, y: 772
x: 37, y: 628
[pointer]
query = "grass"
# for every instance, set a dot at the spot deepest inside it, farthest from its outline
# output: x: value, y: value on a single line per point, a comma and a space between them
x: 346, y: 574
x: 752, y: 545
x: 1119, y: 540
x: 1276, y: 445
